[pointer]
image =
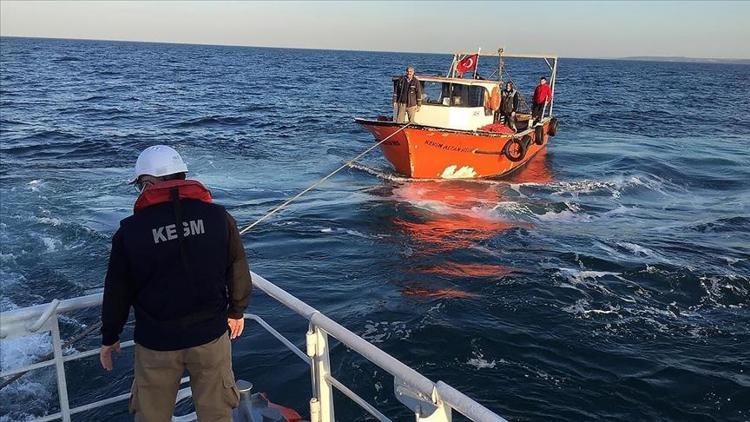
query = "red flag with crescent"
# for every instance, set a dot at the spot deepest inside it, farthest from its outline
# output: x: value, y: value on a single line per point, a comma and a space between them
x: 467, y: 64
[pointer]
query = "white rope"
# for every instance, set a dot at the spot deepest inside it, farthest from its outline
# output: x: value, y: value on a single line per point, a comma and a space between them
x: 295, y: 197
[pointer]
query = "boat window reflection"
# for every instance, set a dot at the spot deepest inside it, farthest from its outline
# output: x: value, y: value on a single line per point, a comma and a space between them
x: 448, y: 94
x: 432, y: 93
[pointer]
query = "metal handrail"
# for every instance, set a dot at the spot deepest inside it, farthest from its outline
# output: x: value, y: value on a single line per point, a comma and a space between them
x: 440, y: 393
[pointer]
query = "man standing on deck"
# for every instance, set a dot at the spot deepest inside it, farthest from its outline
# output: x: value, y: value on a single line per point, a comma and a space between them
x: 542, y: 96
x: 509, y: 105
x: 180, y: 263
x: 407, y: 96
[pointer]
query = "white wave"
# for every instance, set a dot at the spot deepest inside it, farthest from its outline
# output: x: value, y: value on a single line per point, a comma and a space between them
x: 479, y: 362
x: 517, y: 187
x: 31, y: 391
x: 638, y: 249
x: 620, y: 210
x: 8, y: 279
x: 17, y: 352
x: 583, y: 186
x: 378, y: 332
x: 573, y: 206
x: 730, y: 260
x: 512, y: 207
x: 563, y: 216
x: 50, y: 244
x: 610, y: 250
x: 351, y: 232
x: 652, y: 270
x: 583, y: 276
x: 613, y: 186
x: 35, y: 185
x: 49, y: 221
x: 717, y: 288
x: 654, y: 183
x: 581, y: 308
x: 378, y: 173
x: 357, y: 234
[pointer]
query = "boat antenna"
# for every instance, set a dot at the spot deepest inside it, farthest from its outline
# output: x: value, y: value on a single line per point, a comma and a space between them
x: 500, y: 66
x: 476, y: 65
x: 346, y: 164
x: 452, y: 69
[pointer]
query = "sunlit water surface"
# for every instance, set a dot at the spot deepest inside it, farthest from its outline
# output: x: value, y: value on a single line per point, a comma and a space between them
x: 607, y: 280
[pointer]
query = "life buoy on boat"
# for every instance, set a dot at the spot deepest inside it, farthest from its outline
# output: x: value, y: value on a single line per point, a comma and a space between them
x: 492, y: 101
x: 539, y: 135
x: 495, y: 99
x: 515, y: 149
x: 552, y: 131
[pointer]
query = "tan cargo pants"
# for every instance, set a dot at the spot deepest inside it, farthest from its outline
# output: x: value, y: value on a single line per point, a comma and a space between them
x: 157, y: 379
x: 402, y: 111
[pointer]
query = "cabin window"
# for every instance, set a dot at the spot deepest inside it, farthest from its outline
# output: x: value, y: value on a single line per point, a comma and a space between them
x: 432, y: 93
x: 456, y: 95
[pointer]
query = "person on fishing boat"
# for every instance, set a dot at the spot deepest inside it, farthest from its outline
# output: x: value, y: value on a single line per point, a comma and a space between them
x: 509, y: 105
x: 542, y: 97
x: 178, y: 261
x: 407, y: 96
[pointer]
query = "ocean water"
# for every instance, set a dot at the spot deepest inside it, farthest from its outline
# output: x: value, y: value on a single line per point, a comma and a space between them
x: 608, y: 280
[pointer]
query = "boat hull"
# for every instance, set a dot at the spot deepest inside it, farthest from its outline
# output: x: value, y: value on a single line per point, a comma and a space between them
x: 423, y: 152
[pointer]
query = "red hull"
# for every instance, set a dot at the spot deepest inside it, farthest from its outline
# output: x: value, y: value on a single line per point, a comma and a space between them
x: 431, y: 153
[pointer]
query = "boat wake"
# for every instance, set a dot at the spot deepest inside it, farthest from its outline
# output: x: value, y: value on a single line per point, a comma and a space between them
x: 395, y: 177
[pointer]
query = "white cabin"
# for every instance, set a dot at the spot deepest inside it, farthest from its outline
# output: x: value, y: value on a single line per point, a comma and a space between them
x: 454, y: 103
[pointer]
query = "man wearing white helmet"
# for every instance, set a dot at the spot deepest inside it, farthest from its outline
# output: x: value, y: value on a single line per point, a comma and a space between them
x: 180, y: 263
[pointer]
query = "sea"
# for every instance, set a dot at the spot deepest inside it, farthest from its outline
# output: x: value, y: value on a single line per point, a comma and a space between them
x: 607, y: 280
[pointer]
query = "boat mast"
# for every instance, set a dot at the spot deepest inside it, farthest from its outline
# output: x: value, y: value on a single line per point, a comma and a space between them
x: 500, y: 66
x: 476, y: 65
x: 452, y: 70
x: 554, y: 78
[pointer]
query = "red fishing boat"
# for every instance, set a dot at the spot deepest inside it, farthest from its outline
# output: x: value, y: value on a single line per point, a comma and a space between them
x: 457, y: 133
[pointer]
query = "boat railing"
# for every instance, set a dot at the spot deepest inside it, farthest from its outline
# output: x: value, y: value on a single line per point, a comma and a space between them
x: 429, y: 401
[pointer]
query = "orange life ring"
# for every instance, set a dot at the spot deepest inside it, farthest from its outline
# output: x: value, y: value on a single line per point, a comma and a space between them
x: 495, y: 99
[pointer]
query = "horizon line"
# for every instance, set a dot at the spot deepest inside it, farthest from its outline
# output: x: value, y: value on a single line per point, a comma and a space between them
x: 344, y: 49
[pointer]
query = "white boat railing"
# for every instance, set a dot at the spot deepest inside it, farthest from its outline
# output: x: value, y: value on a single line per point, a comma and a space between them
x: 430, y: 402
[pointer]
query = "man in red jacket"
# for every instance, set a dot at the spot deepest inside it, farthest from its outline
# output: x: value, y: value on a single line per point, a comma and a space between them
x: 542, y: 96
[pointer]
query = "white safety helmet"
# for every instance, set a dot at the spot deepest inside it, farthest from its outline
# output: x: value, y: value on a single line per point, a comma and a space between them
x: 158, y: 161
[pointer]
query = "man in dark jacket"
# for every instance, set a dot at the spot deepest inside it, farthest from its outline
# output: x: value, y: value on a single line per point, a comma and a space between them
x: 509, y: 105
x: 407, y: 96
x: 542, y: 97
x: 180, y: 263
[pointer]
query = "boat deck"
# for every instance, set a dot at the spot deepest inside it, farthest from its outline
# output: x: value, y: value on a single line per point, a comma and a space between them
x: 428, y: 400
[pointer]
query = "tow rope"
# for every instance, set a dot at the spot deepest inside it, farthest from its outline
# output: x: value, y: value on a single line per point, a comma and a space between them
x: 346, y: 164
x: 85, y: 333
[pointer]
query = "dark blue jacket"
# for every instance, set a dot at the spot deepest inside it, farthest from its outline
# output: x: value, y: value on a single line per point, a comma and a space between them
x: 179, y: 262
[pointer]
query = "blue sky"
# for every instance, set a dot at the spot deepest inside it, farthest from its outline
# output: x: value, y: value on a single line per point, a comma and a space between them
x: 572, y: 29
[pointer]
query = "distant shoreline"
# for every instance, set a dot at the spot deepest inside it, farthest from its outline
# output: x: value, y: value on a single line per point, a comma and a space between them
x: 672, y: 59
x: 681, y: 59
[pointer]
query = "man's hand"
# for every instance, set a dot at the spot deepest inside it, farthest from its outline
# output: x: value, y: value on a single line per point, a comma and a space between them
x: 235, y: 327
x: 105, y: 355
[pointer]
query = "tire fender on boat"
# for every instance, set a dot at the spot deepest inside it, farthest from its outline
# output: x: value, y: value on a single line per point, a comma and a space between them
x: 538, y: 135
x: 552, y: 130
x: 515, y: 149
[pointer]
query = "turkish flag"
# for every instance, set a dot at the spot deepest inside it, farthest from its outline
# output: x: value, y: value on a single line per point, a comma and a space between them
x: 467, y: 64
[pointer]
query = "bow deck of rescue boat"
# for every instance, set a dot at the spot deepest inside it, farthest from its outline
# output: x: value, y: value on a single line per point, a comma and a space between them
x: 425, y: 399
